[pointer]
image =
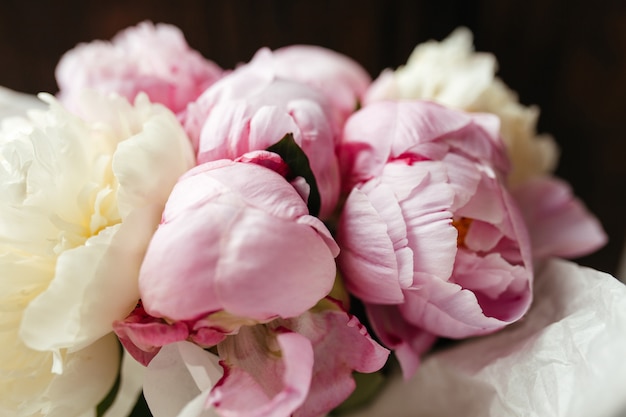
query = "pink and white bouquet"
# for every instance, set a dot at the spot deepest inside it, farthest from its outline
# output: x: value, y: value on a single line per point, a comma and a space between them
x: 272, y: 240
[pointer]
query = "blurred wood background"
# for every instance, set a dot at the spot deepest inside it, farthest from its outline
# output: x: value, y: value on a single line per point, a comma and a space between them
x: 568, y: 57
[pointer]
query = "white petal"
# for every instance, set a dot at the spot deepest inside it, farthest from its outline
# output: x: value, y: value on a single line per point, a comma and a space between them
x: 75, y: 311
x: 195, y: 408
x: 88, y: 376
x: 176, y: 376
x: 148, y: 164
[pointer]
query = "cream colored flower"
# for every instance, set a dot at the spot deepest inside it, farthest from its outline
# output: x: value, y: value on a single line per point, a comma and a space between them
x: 453, y: 74
x: 80, y: 196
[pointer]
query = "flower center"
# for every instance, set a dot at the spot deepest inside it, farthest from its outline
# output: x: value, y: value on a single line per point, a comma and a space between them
x: 229, y: 323
x: 462, y: 225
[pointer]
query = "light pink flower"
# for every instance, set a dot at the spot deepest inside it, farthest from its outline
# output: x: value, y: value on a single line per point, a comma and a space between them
x: 232, y: 234
x: 250, y: 110
x: 313, y: 347
x: 339, y: 78
x: 431, y: 240
x: 275, y: 369
x: 151, y: 58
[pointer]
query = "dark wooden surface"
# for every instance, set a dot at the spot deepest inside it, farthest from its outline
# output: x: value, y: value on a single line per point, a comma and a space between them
x: 568, y: 57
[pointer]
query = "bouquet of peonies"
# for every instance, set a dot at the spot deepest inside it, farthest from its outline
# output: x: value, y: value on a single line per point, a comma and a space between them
x: 289, y: 238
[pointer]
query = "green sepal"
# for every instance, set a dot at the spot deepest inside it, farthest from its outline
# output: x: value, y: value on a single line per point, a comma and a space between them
x: 299, y: 166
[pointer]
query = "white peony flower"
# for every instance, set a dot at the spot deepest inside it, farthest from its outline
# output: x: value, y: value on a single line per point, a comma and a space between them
x: 453, y: 74
x: 80, y: 196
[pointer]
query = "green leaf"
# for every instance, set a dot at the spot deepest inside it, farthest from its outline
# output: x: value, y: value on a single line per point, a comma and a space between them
x: 367, y: 386
x: 298, y: 164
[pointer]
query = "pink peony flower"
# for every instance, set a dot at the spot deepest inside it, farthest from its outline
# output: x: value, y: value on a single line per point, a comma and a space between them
x: 431, y: 240
x: 249, y: 110
x: 339, y: 78
x: 151, y: 58
x: 313, y: 353
x: 232, y: 234
x: 279, y: 368
x: 559, y: 224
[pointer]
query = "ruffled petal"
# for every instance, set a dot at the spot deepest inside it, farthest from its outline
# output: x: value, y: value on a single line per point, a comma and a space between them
x: 143, y: 335
x: 330, y: 331
x: 427, y: 218
x: 148, y: 164
x: 342, y: 80
x: 447, y: 309
x: 367, y: 259
x: 274, y: 372
x: 388, y: 130
x: 145, y: 58
x: 559, y: 223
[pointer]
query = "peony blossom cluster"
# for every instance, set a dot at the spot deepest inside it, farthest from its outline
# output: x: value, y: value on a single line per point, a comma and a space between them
x: 257, y: 244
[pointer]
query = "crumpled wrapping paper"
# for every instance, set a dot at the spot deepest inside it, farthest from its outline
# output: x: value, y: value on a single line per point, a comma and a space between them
x: 566, y: 358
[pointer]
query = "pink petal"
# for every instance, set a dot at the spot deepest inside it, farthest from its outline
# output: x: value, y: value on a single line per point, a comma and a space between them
x: 386, y: 130
x: 491, y: 278
x: 266, y: 159
x: 154, y: 59
x: 426, y: 216
x: 318, y: 143
x: 367, y: 259
x: 229, y: 236
x: 480, y: 141
x: 257, y: 383
x: 448, y: 310
x: 482, y: 236
x: 143, y: 335
x: 485, y: 203
x: 236, y: 127
x: 330, y: 332
x: 342, y: 80
x: 406, y: 340
x: 464, y: 176
x: 560, y: 225
x: 259, y: 263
